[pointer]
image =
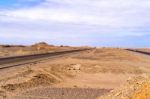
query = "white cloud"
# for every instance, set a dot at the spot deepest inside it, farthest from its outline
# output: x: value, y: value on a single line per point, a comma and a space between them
x: 75, y: 18
x: 114, y: 13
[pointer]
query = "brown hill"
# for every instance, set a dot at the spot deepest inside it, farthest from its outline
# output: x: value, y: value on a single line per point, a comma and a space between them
x: 42, y: 46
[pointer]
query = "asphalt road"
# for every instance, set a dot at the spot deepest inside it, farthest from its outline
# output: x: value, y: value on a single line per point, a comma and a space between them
x: 8, y: 62
x: 142, y: 52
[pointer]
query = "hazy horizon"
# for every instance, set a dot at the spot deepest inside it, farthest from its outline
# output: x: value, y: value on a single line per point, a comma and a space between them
x: 104, y: 23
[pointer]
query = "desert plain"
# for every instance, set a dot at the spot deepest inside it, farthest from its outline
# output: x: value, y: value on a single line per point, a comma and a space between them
x: 97, y: 73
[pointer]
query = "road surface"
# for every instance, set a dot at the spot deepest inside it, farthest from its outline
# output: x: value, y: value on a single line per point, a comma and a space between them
x: 8, y: 62
x: 142, y: 52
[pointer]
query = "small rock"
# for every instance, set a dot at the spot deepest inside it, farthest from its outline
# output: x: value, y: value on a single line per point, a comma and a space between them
x: 74, y: 67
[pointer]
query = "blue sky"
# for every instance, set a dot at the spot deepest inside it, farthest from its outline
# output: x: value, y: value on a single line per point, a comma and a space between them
x: 113, y: 23
x: 12, y: 4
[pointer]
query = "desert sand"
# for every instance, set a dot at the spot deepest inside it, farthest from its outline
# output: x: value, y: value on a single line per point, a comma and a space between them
x: 38, y: 48
x: 104, y: 73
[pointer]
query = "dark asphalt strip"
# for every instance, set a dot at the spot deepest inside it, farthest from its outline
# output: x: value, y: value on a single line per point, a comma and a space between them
x: 142, y: 52
x: 21, y: 60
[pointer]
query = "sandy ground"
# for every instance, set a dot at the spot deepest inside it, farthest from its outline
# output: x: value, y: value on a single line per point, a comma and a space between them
x: 96, y: 71
x: 42, y: 47
x: 135, y: 88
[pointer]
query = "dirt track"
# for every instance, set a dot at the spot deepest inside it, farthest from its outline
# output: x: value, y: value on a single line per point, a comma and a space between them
x: 62, y: 93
